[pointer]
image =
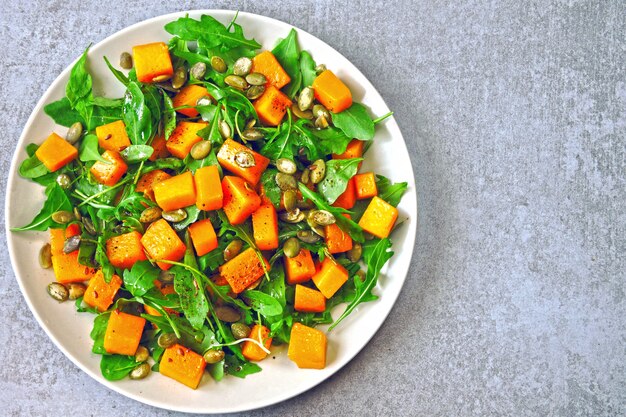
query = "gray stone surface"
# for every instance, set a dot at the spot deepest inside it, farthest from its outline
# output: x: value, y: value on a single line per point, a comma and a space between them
x: 515, y: 117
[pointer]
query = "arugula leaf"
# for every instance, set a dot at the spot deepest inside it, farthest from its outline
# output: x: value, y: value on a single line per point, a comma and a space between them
x: 117, y: 73
x: 192, y: 215
x: 265, y: 304
x: 210, y: 33
x: 137, y: 153
x: 355, y: 122
x: 62, y: 113
x: 192, y: 298
x: 197, y: 340
x: 32, y: 167
x: 116, y: 367
x: 280, y: 145
x: 137, y: 116
x: 97, y: 332
x: 287, y: 53
x: 270, y: 188
x: 57, y: 200
x: 169, y: 116
x: 240, y: 368
x: 331, y: 140
x: 140, y: 278
x: 78, y: 89
x: 88, y: 150
x: 338, y: 173
x: 390, y: 192
x: 307, y: 68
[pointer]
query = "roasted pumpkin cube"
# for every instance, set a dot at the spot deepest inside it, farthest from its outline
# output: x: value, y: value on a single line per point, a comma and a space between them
x: 109, y: 173
x: 209, y: 194
x: 226, y: 158
x: 176, y: 192
x: 148, y: 180
x: 113, y: 136
x: 308, y: 300
x: 124, y: 250
x: 307, y: 347
x: 365, y: 185
x: 240, y: 199
x: 183, y: 365
x: 332, y: 92
x: 243, y: 270
x: 252, y: 351
x: 330, y: 277
x: 300, y: 268
x: 152, y: 62
x: 203, y: 236
x: 55, y: 152
x: 267, y: 64
x: 99, y: 293
x: 123, y: 333
x: 272, y: 106
x: 379, y: 218
x: 162, y: 243
x: 188, y: 96
x: 182, y: 139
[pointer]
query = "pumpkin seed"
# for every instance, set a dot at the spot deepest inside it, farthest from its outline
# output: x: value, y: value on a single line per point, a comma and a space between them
x: 321, y: 122
x: 74, y: 133
x: 251, y: 123
x: 240, y: 330
x: 62, y: 217
x: 320, y: 69
x: 58, y: 291
x: 319, y: 110
x: 151, y: 214
x: 305, y: 204
x: 88, y: 225
x: 141, y: 354
x: 213, y: 356
x: 236, y: 81
x: 286, y: 181
x: 167, y: 87
x: 256, y: 78
x: 126, y: 60
x: 166, y: 277
x: 295, y: 216
x: 227, y: 314
x: 361, y: 274
x: 45, y: 256
x: 232, y: 249
x: 319, y: 230
x: 161, y: 78
x: 180, y: 77
x: 252, y: 134
x: 308, y: 115
x: 255, y: 92
x: 245, y: 159
x: 307, y: 236
x: 290, y: 198
x: 198, y: 70
x: 174, y: 216
x: 71, y: 244
x: 305, y: 176
x: 77, y: 214
x: 218, y: 64
x: 322, y: 217
x: 225, y: 129
x: 64, y: 181
x: 200, y: 150
x: 305, y: 99
x: 242, y: 66
x: 166, y: 340
x: 286, y: 166
x: 204, y: 101
x: 140, y: 372
x: 318, y: 170
x: 76, y: 290
x: 291, y: 247
x: 355, y: 253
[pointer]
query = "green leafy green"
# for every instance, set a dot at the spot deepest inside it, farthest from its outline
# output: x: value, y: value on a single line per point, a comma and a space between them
x: 239, y: 368
x: 264, y: 303
x: 210, y: 33
x: 287, y: 53
x: 32, y: 167
x: 57, y: 200
x: 137, y: 115
x: 169, y: 116
x: 270, y: 188
x: 338, y: 173
x: 88, y: 150
x: 117, y: 73
x: 78, y: 89
x: 307, y: 68
x: 116, y: 367
x: 137, y: 153
x: 281, y: 144
x: 140, y: 278
x: 355, y: 122
x: 390, y: 192
x: 97, y: 332
x: 62, y: 113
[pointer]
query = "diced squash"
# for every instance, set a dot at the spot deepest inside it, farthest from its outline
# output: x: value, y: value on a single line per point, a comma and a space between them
x: 109, y: 174
x: 55, y: 152
x: 308, y: 300
x: 176, y: 192
x: 124, y: 250
x: 240, y: 199
x: 209, y: 195
x: 226, y: 158
x: 148, y: 180
x: 203, y: 236
x: 336, y: 239
x: 307, y: 347
x: 183, y: 365
x: 265, y: 227
x: 347, y: 199
x: 253, y: 352
x: 330, y: 277
x: 188, y: 96
x: 152, y: 61
x: 332, y: 92
x: 267, y: 64
x: 365, y: 185
x: 353, y: 150
x: 182, y: 139
x: 272, y: 106
x: 379, y: 217
x: 99, y: 293
x: 161, y: 242
x: 123, y: 333
x: 113, y: 136
x: 159, y: 144
x: 300, y: 268
x: 65, y: 265
x: 243, y: 270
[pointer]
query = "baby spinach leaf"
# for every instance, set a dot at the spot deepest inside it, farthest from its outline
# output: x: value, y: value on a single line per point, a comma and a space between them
x: 217, y: 370
x: 210, y: 33
x: 78, y: 89
x: 137, y: 115
x: 137, y: 153
x: 270, y: 188
x: 192, y: 298
x: 88, y: 150
x: 287, y: 53
x: 240, y: 368
x: 331, y: 140
x: 62, y: 113
x: 265, y: 304
x: 169, y: 116
x: 355, y: 122
x: 116, y: 367
x: 97, y: 332
x: 338, y: 173
x: 390, y: 192
x: 32, y: 167
x: 140, y: 278
x: 57, y: 200
x: 307, y: 68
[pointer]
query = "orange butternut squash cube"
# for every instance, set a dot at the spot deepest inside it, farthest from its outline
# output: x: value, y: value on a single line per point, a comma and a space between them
x: 226, y: 158
x: 347, y: 199
x: 330, y: 277
x: 188, y: 96
x: 300, y: 268
x: 109, y: 174
x: 183, y: 365
x: 243, y: 270
x: 307, y: 347
x: 265, y: 227
x: 379, y: 217
x: 55, y: 152
x: 267, y: 64
x: 99, y: 293
x: 152, y: 61
x: 159, y: 144
x: 148, y: 180
x: 336, y: 239
x: 253, y: 352
x: 203, y: 236
x: 65, y: 265
x: 240, y: 199
x: 124, y: 250
x: 58, y: 236
x: 182, y: 139
x: 308, y: 300
x: 209, y: 195
x: 123, y: 333
x: 113, y: 136
x: 365, y: 185
x: 176, y: 192
x: 332, y: 92
x: 272, y: 106
x: 162, y: 243
x: 353, y: 150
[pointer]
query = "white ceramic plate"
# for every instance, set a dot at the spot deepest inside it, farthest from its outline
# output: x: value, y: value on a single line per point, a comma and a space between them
x: 280, y: 378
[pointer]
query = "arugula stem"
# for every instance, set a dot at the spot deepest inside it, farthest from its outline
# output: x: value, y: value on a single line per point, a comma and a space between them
x: 96, y: 195
x: 383, y: 117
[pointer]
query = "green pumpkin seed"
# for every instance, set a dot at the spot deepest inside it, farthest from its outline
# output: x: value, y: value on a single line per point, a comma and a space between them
x: 251, y: 123
x: 225, y: 129
x: 308, y: 115
x: 240, y: 330
x: 321, y: 122
x: 218, y: 64
x: 245, y: 159
x: 180, y: 77
x: 166, y: 277
x: 322, y: 217
x: 232, y: 249
x: 242, y: 66
x: 285, y: 181
x: 166, y: 340
x: 361, y: 275
x: 71, y: 244
x: 141, y: 354
x: 255, y: 92
x: 77, y: 214
x: 319, y: 110
x: 252, y: 135
x: 318, y: 230
x: 290, y: 197
x: 286, y: 166
x: 45, y: 256
x: 305, y: 176
x: 295, y: 216
x: 256, y: 78
x: 236, y: 81
x: 320, y: 69
x: 305, y: 99
x: 151, y: 214
x: 126, y: 60
x: 88, y: 225
x: 76, y: 290
x: 62, y: 217
x: 291, y: 247
x: 355, y: 253
x: 140, y: 372
x: 307, y: 236
x: 213, y: 356
x: 174, y: 216
x: 198, y: 70
x: 200, y: 150
x: 204, y: 101
x: 318, y: 170
x: 64, y: 181
x: 167, y: 87
x: 227, y: 314
x: 74, y: 133
x: 58, y: 291
x: 161, y: 78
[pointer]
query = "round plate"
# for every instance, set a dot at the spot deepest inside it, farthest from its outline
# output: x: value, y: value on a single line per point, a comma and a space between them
x: 280, y: 378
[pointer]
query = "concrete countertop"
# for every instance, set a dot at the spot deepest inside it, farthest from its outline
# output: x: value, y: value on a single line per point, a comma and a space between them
x: 515, y: 117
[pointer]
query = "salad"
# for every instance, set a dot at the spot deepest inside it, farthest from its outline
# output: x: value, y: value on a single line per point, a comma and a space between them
x: 217, y: 209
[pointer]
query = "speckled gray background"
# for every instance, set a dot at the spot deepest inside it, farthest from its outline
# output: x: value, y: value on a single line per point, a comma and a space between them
x: 515, y: 117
